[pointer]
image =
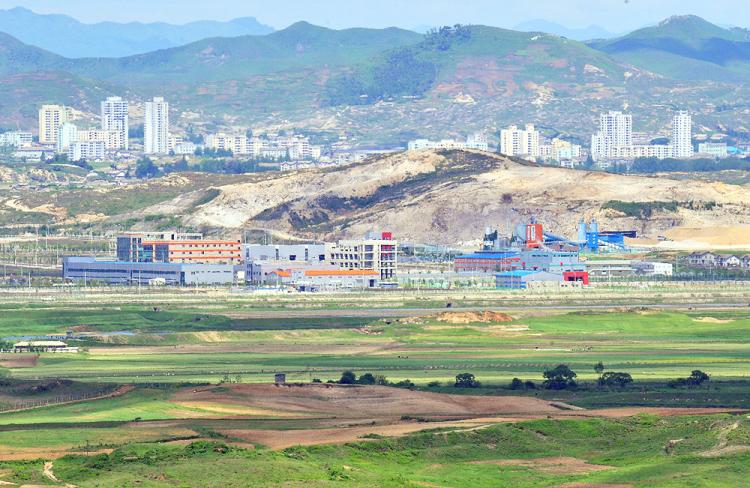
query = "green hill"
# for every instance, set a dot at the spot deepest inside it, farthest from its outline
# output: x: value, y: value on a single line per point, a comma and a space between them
x: 479, y: 60
x: 685, y: 48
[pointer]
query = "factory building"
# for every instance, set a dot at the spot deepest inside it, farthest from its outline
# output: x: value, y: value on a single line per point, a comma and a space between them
x: 487, y: 262
x: 378, y: 253
x: 328, y: 279
x: 129, y: 246
x: 310, y: 253
x: 88, y: 270
x: 191, y: 251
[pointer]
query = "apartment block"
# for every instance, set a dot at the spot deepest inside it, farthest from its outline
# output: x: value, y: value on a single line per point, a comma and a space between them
x: 51, y: 117
x: 156, y: 127
x: 115, y: 118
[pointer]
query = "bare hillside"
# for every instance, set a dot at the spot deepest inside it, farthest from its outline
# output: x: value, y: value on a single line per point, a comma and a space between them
x: 449, y: 197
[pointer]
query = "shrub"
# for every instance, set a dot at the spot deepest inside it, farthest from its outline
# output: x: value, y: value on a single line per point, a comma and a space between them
x: 466, y: 380
x: 615, y: 379
x: 516, y: 384
x: 366, y: 379
x: 348, y: 378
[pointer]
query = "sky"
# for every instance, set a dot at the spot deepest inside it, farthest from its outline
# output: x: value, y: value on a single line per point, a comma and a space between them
x: 613, y: 15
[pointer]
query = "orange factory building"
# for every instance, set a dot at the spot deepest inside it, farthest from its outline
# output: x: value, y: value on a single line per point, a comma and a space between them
x: 193, y: 251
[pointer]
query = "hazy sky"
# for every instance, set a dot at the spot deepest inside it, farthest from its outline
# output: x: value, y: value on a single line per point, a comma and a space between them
x: 614, y: 15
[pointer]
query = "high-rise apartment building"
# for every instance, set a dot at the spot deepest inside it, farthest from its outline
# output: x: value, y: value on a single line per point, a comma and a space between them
x: 51, y: 117
x: 156, y: 127
x: 615, y: 132
x: 517, y: 142
x: 114, y: 117
x: 67, y: 134
x: 682, y: 135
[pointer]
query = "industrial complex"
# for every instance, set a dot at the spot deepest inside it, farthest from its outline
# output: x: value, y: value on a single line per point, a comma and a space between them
x: 530, y: 257
x: 189, y: 259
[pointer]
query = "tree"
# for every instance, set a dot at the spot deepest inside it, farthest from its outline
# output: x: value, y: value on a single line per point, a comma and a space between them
x: 698, y: 377
x: 559, y: 378
x: 145, y: 168
x: 516, y: 384
x: 348, y: 378
x: 615, y: 379
x: 466, y: 380
x: 366, y: 379
x: 599, y: 368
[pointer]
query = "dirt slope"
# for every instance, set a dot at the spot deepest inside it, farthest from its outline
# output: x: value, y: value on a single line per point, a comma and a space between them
x: 449, y: 197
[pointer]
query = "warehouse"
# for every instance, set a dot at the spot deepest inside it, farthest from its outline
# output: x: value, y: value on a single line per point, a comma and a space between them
x: 88, y: 270
x: 521, y: 279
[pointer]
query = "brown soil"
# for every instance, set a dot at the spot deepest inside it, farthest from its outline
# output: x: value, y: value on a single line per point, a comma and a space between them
x: 18, y: 360
x: 282, y: 439
x: 552, y: 465
x: 363, y: 402
x: 485, y: 317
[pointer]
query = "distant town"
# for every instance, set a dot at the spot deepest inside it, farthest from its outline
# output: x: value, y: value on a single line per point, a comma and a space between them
x: 60, y: 138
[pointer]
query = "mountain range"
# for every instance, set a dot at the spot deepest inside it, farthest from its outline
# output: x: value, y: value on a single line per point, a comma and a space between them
x: 68, y: 37
x: 388, y: 85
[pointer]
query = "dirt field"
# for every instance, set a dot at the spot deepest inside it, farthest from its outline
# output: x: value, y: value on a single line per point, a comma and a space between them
x: 18, y: 360
x: 552, y: 465
x: 356, y: 402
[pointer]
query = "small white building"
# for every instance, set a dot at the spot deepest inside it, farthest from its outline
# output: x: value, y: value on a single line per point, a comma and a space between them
x: 716, y: 150
x: 43, y: 346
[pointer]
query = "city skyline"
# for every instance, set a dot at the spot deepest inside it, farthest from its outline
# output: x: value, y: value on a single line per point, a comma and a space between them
x: 614, y: 15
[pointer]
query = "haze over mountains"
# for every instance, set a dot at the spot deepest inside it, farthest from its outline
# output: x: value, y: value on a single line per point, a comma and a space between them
x: 68, y: 37
x: 387, y: 85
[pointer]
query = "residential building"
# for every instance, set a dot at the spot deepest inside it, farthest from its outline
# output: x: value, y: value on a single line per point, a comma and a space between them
x: 236, y: 143
x: 374, y: 252
x: 703, y: 260
x: 718, y: 150
x: 614, y: 141
x: 51, y: 117
x: 87, y: 151
x: 477, y: 141
x: 114, y: 117
x: 615, y: 131
x: 564, y: 152
x: 16, y: 139
x: 184, y: 148
x: 156, y: 127
x: 520, y: 142
x: 682, y: 132
x: 112, y: 139
x: 67, y: 134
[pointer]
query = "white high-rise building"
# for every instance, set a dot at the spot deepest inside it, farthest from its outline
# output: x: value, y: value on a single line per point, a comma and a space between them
x: 517, y: 142
x: 67, y: 134
x: 156, y: 127
x: 615, y: 132
x: 617, y: 128
x: 51, y: 117
x: 682, y: 135
x: 114, y: 117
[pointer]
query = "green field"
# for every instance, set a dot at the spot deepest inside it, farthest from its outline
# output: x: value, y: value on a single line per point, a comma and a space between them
x: 164, y: 347
x: 628, y: 452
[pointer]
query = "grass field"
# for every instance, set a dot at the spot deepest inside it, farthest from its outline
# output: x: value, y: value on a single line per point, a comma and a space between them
x: 711, y: 452
x: 166, y: 349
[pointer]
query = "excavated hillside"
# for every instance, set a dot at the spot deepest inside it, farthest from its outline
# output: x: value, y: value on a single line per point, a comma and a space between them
x: 449, y: 197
